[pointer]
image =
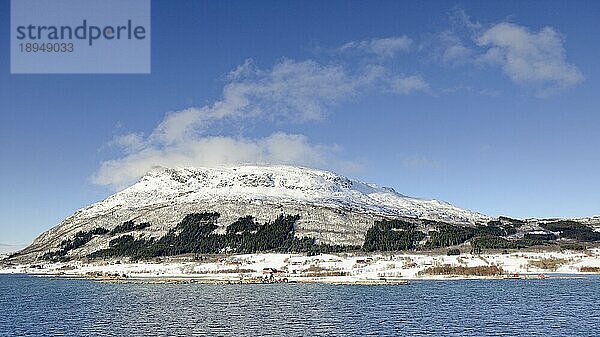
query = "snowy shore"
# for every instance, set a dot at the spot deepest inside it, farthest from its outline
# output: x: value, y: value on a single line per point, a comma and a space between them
x: 327, y: 268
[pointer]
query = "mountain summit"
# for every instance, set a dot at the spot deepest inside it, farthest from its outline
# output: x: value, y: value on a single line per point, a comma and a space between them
x: 332, y: 208
x: 279, y: 185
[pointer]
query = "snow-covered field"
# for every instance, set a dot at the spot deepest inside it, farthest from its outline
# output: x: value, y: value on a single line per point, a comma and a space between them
x: 346, y: 268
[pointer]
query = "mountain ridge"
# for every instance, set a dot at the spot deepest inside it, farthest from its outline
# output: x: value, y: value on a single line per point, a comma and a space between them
x: 332, y: 208
x: 282, y: 183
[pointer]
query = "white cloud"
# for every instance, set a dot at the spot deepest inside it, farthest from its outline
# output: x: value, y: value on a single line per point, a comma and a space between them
x: 291, y: 91
x: 129, y: 142
x: 489, y: 92
x: 529, y: 57
x: 457, y: 53
x: 456, y: 43
x: 302, y: 91
x: 408, y: 84
x: 278, y: 148
x: 383, y: 47
x: 534, y: 59
x: 460, y: 21
x: 453, y: 49
x: 297, y: 91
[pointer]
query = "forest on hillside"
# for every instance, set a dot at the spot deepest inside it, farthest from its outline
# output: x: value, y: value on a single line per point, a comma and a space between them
x: 196, y: 234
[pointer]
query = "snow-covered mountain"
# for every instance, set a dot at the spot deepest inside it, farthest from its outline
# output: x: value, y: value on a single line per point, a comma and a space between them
x: 276, y: 185
x: 332, y: 208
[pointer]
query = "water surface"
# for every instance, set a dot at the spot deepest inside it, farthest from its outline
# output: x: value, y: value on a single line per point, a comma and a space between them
x: 31, y: 306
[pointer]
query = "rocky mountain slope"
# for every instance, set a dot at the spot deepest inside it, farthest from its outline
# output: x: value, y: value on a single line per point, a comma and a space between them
x: 333, y: 209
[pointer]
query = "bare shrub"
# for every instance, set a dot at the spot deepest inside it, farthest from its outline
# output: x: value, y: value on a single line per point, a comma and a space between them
x: 463, y: 271
x: 548, y: 264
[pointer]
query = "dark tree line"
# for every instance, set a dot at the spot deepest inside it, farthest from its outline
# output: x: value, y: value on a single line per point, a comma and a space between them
x: 195, y: 234
x: 492, y: 242
x: 392, y: 235
x: 79, y: 240
x: 241, y: 225
x: 129, y: 226
x: 539, y: 237
x: 573, y: 230
x: 450, y: 235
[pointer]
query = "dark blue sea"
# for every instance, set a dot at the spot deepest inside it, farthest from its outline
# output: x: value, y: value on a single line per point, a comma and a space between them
x: 32, y: 306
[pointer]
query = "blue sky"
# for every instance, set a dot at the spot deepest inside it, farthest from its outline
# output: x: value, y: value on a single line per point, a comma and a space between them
x: 492, y: 106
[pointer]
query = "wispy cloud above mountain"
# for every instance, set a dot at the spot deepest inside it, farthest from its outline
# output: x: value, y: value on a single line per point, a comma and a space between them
x: 293, y: 92
x: 212, y: 151
x: 532, y: 59
x: 297, y: 91
x: 527, y: 57
x: 408, y: 84
x: 381, y: 47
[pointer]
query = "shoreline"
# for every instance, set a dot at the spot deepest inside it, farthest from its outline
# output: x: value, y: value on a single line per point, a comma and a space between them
x: 210, y: 279
x: 346, y: 268
x: 207, y: 280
